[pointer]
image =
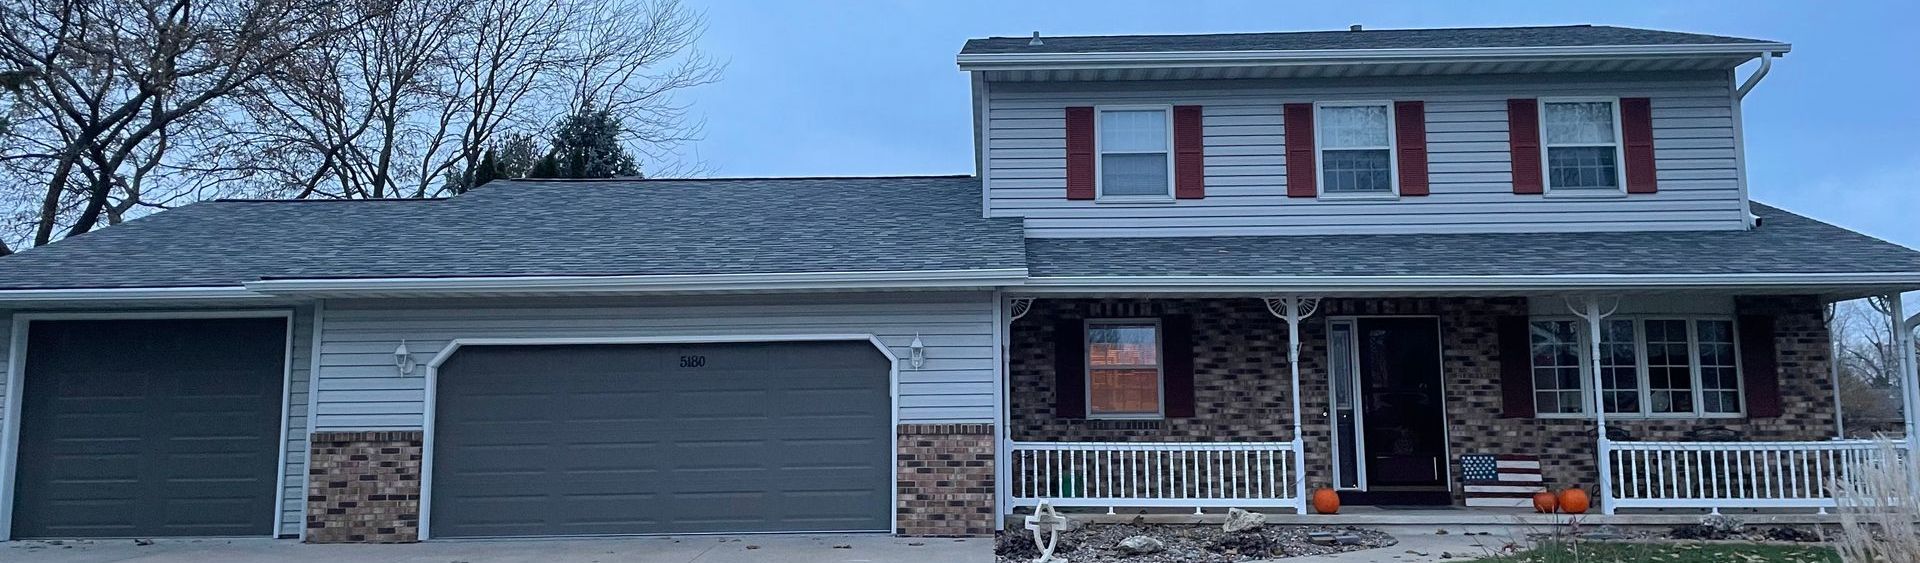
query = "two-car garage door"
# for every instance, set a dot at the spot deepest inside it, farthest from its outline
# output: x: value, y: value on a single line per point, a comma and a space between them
x: 662, y: 439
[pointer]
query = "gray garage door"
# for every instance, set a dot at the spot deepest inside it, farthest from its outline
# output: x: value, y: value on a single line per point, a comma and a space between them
x: 662, y: 439
x: 150, y: 428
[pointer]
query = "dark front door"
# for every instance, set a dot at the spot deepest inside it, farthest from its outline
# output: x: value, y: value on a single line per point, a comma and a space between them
x: 1403, y: 409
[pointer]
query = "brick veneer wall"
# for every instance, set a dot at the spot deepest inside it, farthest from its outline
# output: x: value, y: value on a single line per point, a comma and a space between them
x: 1242, y: 388
x: 945, y: 480
x: 364, y: 487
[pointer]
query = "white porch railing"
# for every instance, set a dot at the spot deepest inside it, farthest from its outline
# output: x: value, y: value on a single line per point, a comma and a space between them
x: 1154, y: 474
x: 1716, y: 475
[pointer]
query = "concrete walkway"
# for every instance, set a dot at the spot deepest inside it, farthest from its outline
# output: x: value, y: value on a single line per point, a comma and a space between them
x: 1425, y: 543
x: 684, y: 549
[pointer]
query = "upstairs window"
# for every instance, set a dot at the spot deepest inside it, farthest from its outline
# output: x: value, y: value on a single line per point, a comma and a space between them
x: 1123, y: 369
x: 1582, y: 142
x: 1135, y: 161
x: 1356, y: 148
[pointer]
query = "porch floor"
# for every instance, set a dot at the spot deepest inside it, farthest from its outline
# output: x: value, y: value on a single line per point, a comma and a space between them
x: 1447, y: 517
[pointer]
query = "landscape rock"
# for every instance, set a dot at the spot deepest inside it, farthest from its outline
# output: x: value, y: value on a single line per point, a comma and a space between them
x: 1142, y: 545
x: 1240, y: 521
x: 1187, y: 543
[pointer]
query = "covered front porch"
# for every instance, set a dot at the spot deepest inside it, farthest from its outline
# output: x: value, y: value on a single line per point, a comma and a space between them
x: 1167, y: 404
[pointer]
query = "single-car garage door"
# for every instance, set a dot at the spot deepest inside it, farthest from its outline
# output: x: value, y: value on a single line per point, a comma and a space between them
x: 133, y: 428
x: 662, y: 439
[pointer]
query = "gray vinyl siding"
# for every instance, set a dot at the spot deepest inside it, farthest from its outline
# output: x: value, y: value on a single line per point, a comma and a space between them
x: 293, y: 486
x: 359, y: 388
x: 300, y: 376
x: 6, y: 376
x: 1471, y: 178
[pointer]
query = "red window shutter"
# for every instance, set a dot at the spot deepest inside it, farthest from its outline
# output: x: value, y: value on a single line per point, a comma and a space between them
x: 1300, y: 157
x: 1069, y: 368
x: 1516, y: 367
x: 1523, y: 139
x: 1080, y: 153
x: 1410, y: 118
x: 1189, y: 159
x: 1176, y: 355
x: 1759, y: 372
x: 1636, y: 131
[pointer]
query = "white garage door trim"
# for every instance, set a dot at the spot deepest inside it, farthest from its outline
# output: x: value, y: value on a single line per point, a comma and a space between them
x: 433, y: 391
x: 16, y: 383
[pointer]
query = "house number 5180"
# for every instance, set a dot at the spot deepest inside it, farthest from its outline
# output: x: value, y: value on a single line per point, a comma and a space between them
x: 693, y: 361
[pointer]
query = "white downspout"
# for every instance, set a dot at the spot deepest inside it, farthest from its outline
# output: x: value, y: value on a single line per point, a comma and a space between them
x: 1766, y: 64
x: 1739, y: 135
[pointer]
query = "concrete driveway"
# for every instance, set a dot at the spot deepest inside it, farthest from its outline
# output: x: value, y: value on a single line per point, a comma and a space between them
x: 683, y: 549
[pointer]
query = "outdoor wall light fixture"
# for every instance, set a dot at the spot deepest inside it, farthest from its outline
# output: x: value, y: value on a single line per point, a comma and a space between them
x: 403, y: 359
x: 917, y: 352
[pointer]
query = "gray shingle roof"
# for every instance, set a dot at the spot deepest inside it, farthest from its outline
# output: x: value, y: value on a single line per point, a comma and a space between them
x: 611, y: 227
x: 1547, y: 36
x: 1784, y: 243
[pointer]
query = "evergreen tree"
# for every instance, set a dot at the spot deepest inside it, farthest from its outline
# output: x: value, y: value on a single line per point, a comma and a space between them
x: 586, y: 144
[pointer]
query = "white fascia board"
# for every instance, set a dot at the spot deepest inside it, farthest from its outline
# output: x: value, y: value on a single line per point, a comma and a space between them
x: 1030, y: 61
x: 927, y: 279
x: 1387, y: 284
x: 127, y: 294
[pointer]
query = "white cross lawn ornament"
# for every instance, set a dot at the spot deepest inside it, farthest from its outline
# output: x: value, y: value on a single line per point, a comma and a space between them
x: 1046, y: 521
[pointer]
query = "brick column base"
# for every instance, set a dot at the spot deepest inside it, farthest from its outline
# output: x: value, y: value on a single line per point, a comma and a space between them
x: 945, y: 480
x: 364, y: 487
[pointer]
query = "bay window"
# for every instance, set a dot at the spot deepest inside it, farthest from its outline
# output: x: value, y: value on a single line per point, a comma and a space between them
x: 1123, y: 369
x: 1649, y: 367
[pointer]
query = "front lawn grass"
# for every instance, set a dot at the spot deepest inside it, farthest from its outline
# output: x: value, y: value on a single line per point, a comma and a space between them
x: 1608, y: 552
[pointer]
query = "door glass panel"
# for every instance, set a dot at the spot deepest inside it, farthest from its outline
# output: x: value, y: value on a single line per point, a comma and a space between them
x: 1340, y: 364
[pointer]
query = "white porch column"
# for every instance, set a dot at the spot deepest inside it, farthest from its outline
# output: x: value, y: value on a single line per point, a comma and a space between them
x: 1590, y: 312
x: 1293, y: 308
x: 1909, y: 383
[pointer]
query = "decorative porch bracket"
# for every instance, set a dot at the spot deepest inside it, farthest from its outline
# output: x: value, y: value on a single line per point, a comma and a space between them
x: 1589, y: 310
x: 1018, y: 307
x: 1293, y: 309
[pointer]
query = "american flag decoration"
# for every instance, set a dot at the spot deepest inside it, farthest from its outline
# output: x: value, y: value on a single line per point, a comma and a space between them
x: 1501, y: 480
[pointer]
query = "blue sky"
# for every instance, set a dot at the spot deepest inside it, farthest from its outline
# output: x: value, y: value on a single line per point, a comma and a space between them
x: 848, y: 88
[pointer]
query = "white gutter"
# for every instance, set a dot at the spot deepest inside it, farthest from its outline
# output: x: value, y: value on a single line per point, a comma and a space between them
x: 928, y: 279
x: 127, y: 294
x: 1015, y: 61
x: 1363, y: 284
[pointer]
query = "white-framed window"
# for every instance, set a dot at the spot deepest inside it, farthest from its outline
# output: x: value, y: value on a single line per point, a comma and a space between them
x: 1653, y: 366
x: 1135, y: 153
x: 1124, y: 371
x: 1580, y: 142
x: 1354, y: 142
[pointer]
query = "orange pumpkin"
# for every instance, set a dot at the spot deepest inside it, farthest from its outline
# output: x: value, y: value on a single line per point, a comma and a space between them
x: 1326, y: 501
x: 1545, y: 502
x: 1573, y: 500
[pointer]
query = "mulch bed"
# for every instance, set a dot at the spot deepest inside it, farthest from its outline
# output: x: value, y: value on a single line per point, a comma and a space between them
x: 1186, y: 543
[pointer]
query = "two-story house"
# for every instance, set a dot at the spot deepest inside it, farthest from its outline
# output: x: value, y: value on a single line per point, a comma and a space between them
x: 1444, y: 267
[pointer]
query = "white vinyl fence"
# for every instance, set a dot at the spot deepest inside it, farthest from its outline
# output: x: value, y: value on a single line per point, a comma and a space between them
x: 1157, y: 474
x: 1716, y: 475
